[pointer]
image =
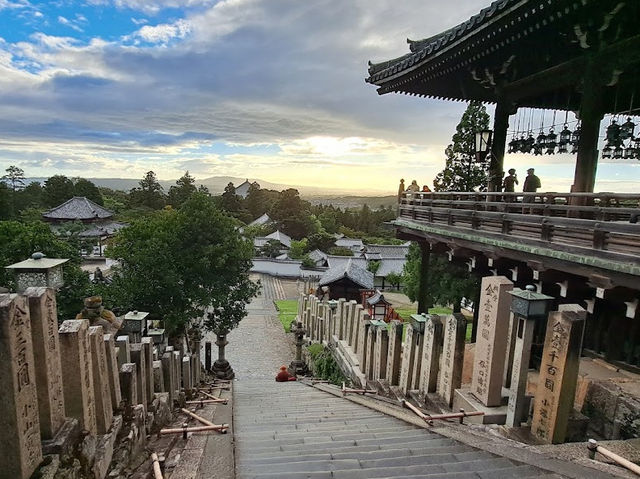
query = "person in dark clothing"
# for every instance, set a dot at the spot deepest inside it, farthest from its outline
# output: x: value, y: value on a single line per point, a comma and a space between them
x: 510, y: 181
x: 531, y: 182
x: 531, y: 185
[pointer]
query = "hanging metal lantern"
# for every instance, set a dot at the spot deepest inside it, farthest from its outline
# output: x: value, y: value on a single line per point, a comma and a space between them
x: 613, y: 133
x: 563, y: 146
x: 607, y: 151
x: 565, y: 134
x: 629, y: 151
x: 618, y: 152
x: 636, y: 147
x: 527, y: 145
x: 627, y: 129
x: 550, y: 143
x: 575, y: 139
x: 541, y: 142
x: 513, y: 146
x: 520, y: 144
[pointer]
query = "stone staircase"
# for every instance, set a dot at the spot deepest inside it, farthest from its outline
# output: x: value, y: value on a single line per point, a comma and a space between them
x: 291, y: 431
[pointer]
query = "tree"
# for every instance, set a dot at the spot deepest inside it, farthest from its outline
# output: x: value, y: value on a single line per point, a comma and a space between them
x: 298, y: 249
x: 271, y: 249
x: 448, y: 283
x: 88, y: 189
x: 5, y: 202
x: 18, y: 241
x: 185, y: 186
x: 463, y: 171
x: 230, y: 200
x: 57, y: 190
x: 14, y: 178
x: 149, y: 194
x: 394, y: 279
x: 322, y: 241
x: 340, y: 251
x: 374, y: 266
x: 181, y: 264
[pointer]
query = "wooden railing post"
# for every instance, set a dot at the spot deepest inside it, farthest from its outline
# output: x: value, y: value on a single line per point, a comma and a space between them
x: 599, y: 237
x: 506, y: 225
x: 546, y: 230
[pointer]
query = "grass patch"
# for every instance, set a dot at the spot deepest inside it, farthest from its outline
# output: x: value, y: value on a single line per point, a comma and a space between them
x: 406, y: 313
x: 287, y: 312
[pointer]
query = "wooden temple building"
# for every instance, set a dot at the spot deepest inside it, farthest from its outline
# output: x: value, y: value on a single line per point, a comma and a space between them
x: 578, y: 246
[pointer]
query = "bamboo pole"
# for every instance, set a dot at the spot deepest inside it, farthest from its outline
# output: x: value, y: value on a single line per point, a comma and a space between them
x: 157, y: 472
x: 593, y: 448
x: 208, y: 401
x: 221, y: 428
x: 211, y: 396
x: 427, y: 417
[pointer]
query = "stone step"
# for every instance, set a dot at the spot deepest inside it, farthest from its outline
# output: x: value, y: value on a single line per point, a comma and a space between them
x: 327, y: 439
x: 326, y: 425
x: 439, y: 447
x: 302, y: 433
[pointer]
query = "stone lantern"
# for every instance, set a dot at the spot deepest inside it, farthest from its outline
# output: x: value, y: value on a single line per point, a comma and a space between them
x: 527, y: 307
x: 135, y: 325
x: 38, y: 271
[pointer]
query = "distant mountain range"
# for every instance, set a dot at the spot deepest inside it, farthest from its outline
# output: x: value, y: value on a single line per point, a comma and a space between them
x: 216, y: 185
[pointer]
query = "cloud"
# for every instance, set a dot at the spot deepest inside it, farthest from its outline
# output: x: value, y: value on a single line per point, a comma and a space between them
x: 70, y: 23
x: 162, y: 33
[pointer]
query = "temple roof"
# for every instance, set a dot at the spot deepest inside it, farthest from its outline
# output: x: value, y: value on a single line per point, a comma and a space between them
x: 78, y: 208
x: 350, y: 270
x: 281, y: 237
x: 535, y: 52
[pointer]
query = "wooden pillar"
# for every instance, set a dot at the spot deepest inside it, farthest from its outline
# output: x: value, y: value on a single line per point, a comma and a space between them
x: 498, y: 144
x: 591, y: 113
x: 423, y: 288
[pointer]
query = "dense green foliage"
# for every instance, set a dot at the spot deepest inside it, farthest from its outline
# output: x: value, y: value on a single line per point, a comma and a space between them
x: 448, y: 282
x: 18, y: 241
x: 181, y: 264
x: 463, y: 170
x: 324, y: 365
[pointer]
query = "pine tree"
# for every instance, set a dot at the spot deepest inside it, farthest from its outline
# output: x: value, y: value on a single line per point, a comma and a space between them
x: 463, y: 171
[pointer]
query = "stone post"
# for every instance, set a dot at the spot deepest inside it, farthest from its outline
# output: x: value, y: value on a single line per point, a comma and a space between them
x: 46, y: 347
x: 381, y: 351
x: 363, y: 325
x: 77, y: 373
x: 147, y: 345
x: 523, y: 335
x: 511, y: 346
x: 113, y: 371
x: 418, y: 338
x: 358, y: 316
x: 168, y: 376
x: 408, y: 356
x: 129, y: 386
x: 207, y: 355
x: 339, y: 323
x: 298, y: 366
x: 177, y: 371
x: 20, y: 435
x: 104, y: 408
x: 186, y: 374
x: 124, y: 354
x: 158, y: 377
x: 433, y: 340
x: 370, y: 352
x: 139, y: 359
x: 395, y: 352
x: 452, y: 359
x: 558, y: 374
x: 197, y: 367
x: 346, y: 315
x: 491, y: 343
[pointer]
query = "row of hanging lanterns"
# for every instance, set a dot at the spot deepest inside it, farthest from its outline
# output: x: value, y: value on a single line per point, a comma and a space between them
x: 620, y: 142
x: 551, y: 143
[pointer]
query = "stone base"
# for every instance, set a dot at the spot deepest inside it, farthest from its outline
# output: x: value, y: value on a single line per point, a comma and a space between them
x: 298, y: 368
x: 462, y: 399
x: 105, y: 448
x: 223, y: 370
x: 65, y: 440
x: 577, y: 427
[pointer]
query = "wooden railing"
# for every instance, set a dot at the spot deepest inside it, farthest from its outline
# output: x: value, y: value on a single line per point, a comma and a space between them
x: 602, y: 221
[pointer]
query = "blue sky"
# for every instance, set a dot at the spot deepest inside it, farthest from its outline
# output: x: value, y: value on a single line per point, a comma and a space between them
x: 270, y: 89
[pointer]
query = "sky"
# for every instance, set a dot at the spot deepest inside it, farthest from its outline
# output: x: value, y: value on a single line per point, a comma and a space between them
x: 269, y: 89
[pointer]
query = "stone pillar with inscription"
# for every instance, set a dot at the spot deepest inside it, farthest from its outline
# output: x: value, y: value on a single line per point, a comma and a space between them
x: 358, y: 316
x: 364, y: 322
x: 418, y: 322
x: 147, y: 344
x: 558, y: 374
x: 339, y: 323
x: 46, y: 347
x: 408, y: 357
x: 158, y: 377
x: 20, y: 447
x: 370, y: 352
x: 522, y: 332
x: 113, y: 371
x: 168, y: 376
x: 129, y: 386
x: 177, y: 372
x: 452, y: 359
x: 381, y: 352
x: 104, y: 409
x: 77, y: 373
x: 139, y: 359
x: 431, y: 352
x: 124, y: 353
x: 491, y: 342
x: 394, y: 356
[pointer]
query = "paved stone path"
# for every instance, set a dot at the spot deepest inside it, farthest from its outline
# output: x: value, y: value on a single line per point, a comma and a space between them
x: 290, y: 430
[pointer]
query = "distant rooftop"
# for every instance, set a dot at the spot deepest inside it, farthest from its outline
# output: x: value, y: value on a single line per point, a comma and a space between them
x: 262, y: 220
x: 78, y: 208
x: 349, y: 270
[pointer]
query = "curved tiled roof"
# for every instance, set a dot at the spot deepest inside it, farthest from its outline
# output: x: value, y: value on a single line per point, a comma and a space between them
x: 78, y: 208
x: 420, y: 49
x: 350, y: 270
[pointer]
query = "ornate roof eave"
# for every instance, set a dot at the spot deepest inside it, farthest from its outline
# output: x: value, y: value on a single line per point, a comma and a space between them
x: 431, y: 49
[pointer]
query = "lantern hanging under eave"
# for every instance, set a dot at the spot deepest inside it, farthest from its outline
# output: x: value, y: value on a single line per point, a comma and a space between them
x: 627, y: 129
x: 550, y: 142
x: 618, y: 152
x: 38, y: 271
x: 607, y: 151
